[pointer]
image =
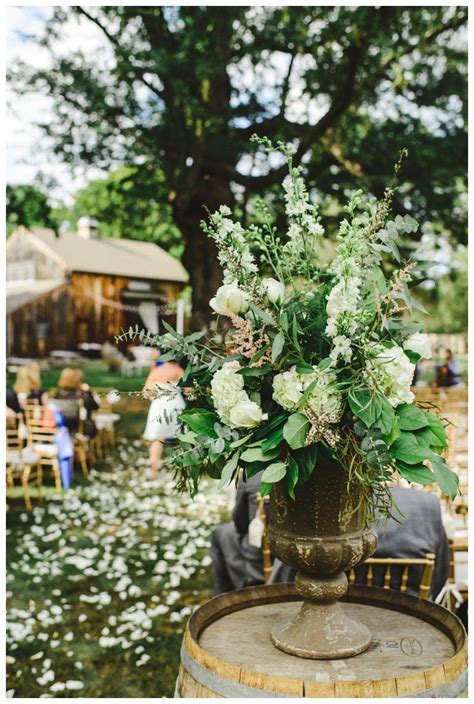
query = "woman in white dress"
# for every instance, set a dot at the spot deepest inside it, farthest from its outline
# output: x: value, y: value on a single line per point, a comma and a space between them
x: 162, y: 421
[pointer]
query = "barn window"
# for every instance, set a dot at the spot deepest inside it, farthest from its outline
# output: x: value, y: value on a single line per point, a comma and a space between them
x: 21, y: 270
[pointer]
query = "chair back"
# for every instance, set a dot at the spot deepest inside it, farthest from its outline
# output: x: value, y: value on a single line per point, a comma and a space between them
x: 40, y: 427
x: 14, y: 432
x: 73, y: 411
x: 266, y: 554
x: 400, y: 576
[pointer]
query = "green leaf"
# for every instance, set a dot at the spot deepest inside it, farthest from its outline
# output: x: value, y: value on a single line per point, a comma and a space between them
x: 201, y: 421
x: 436, y: 426
x: 447, y: 480
x: 393, y: 434
x: 241, y: 441
x: 303, y: 368
x: 265, y: 317
x: 274, y: 473
x: 408, y: 450
x: 264, y: 430
x: 169, y: 329
x: 295, y: 333
x: 292, y: 476
x: 259, y: 354
x: 295, y: 429
x: 306, y: 460
x: 386, y: 420
x: 426, y: 437
x: 411, y: 417
x: 255, y: 371
x: 256, y: 454
x: 277, y: 346
x: 417, y: 473
x: 265, y: 488
x: 228, y: 471
x: 324, y: 363
x: 363, y: 404
x: 273, y: 440
x: 283, y: 321
x: 306, y: 393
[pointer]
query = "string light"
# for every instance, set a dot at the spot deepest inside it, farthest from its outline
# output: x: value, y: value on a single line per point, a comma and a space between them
x: 164, y: 309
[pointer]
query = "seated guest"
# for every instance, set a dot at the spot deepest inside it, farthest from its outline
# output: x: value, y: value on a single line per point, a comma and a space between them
x: 71, y: 387
x: 235, y: 562
x: 27, y: 387
x: 417, y: 531
x: 448, y: 373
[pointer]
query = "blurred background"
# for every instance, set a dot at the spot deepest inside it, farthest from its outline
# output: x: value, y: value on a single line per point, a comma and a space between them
x: 126, y: 125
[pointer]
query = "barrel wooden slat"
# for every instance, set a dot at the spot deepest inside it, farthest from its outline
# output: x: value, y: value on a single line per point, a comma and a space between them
x: 227, y: 650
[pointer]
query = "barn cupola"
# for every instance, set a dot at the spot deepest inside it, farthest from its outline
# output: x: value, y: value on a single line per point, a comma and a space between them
x: 88, y: 228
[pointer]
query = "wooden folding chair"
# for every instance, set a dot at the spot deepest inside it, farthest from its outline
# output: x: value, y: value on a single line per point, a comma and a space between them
x: 405, y: 563
x: 41, y: 439
x: 266, y: 554
x: 21, y: 462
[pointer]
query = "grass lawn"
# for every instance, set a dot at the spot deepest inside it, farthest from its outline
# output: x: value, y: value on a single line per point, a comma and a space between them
x: 96, y: 374
x: 102, y: 579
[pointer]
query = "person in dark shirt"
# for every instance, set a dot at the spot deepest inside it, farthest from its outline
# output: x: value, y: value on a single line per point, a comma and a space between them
x: 417, y: 531
x: 27, y: 387
x: 71, y: 387
x: 235, y: 562
x: 448, y: 373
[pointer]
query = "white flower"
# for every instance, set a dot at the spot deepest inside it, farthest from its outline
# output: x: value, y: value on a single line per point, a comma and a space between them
x: 288, y: 389
x: 420, y: 344
x: 393, y: 373
x: 227, y: 389
x: 230, y: 399
x: 323, y: 399
x: 246, y: 414
x: 230, y: 299
x: 274, y: 290
x: 342, y: 348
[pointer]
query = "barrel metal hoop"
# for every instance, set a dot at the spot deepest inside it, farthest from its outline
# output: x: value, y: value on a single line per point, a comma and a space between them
x: 230, y: 688
x: 226, y: 688
x: 449, y: 690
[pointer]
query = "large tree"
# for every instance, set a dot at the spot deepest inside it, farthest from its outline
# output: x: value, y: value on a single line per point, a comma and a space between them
x: 187, y: 86
x: 28, y: 206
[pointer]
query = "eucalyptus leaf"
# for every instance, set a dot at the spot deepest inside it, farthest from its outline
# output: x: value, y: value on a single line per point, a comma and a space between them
x: 228, y: 471
x: 278, y: 345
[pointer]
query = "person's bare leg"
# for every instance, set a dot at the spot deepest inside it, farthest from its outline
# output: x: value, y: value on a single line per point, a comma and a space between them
x: 156, y: 453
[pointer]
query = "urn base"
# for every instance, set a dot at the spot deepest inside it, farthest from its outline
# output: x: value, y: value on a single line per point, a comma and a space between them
x: 321, y: 630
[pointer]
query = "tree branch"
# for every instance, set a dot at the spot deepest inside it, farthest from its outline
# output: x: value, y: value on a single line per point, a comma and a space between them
x: 139, y: 72
x: 306, y: 133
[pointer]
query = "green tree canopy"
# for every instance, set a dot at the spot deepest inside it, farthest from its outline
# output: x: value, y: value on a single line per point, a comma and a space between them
x: 187, y: 86
x: 28, y: 206
x: 130, y: 203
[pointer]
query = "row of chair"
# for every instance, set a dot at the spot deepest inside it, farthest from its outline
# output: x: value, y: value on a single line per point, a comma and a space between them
x: 31, y: 448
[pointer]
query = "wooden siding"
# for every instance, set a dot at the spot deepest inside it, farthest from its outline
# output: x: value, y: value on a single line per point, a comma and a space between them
x: 69, y: 316
x: 22, y: 248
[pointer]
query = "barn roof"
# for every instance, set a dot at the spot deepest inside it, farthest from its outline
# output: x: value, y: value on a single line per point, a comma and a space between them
x: 113, y: 256
x: 19, y: 295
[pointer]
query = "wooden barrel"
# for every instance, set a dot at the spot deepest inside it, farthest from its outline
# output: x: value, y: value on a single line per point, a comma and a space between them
x: 419, y: 649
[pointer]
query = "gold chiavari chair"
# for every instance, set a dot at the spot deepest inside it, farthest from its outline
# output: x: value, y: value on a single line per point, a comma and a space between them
x: 266, y: 554
x: 405, y: 564
x: 41, y: 439
x: 21, y: 462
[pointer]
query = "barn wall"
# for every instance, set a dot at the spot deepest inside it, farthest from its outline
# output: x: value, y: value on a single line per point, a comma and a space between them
x: 21, y: 248
x: 71, y: 315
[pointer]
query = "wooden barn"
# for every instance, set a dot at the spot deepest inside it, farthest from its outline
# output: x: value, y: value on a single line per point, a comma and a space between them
x: 73, y: 288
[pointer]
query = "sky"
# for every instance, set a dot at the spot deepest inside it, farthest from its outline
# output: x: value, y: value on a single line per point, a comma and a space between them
x: 28, y: 151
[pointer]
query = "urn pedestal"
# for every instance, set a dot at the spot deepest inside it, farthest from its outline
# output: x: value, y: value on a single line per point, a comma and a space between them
x: 321, y: 536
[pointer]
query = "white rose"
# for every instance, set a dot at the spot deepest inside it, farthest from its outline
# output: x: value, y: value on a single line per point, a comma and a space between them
x: 420, y: 344
x: 230, y: 299
x: 274, y: 290
x: 394, y: 374
x: 246, y: 414
x: 288, y: 389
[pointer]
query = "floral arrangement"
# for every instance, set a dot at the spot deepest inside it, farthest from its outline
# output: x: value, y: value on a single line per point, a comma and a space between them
x: 314, y: 359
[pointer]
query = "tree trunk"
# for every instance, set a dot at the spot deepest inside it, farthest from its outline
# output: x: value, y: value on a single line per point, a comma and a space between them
x: 200, y: 254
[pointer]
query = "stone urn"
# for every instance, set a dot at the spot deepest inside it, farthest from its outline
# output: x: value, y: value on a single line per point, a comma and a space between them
x: 321, y: 536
